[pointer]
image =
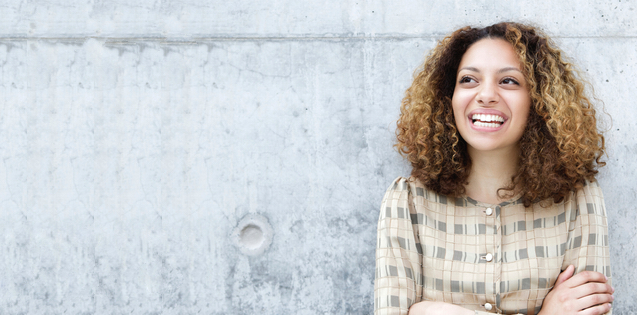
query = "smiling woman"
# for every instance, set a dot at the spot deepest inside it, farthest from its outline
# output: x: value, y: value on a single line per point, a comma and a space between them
x: 502, y: 213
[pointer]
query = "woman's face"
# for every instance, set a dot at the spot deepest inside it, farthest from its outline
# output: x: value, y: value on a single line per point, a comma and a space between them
x: 491, y: 101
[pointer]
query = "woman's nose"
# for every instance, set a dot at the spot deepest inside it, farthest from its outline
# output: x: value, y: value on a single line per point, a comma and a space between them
x: 487, y: 95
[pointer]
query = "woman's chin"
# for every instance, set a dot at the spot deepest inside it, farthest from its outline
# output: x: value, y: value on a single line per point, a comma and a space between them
x: 490, y: 146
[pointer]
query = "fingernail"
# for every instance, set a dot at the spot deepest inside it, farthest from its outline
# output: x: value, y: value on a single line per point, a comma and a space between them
x: 612, y: 298
x: 612, y: 289
x: 605, y: 277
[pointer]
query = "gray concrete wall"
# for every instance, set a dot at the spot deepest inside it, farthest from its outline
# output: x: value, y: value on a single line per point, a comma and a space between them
x: 146, y: 147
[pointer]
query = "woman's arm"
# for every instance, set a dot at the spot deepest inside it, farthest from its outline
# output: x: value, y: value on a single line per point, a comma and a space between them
x: 587, y: 293
x: 398, y: 264
x: 584, y: 287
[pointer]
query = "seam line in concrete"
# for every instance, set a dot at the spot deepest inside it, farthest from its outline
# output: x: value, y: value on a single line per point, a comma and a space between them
x: 188, y: 40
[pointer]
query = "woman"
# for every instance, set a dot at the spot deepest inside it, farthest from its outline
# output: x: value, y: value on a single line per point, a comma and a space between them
x: 502, y: 213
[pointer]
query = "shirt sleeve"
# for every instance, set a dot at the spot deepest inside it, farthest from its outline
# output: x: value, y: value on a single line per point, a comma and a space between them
x: 397, y: 282
x: 587, y: 243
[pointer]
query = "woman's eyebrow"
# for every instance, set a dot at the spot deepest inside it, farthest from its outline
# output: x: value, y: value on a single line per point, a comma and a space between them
x: 509, y: 69
x: 470, y: 69
x: 474, y: 69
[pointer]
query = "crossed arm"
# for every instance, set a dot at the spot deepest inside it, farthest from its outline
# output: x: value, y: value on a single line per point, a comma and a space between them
x: 586, y: 293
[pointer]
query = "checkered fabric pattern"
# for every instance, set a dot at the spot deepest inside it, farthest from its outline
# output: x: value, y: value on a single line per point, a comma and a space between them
x: 501, y: 258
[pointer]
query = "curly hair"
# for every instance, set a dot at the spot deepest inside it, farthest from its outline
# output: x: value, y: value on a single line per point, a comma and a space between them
x: 560, y: 148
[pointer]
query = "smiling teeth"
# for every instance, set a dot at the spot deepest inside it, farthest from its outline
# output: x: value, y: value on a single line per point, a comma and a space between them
x: 489, y: 121
x: 490, y: 125
x: 487, y: 118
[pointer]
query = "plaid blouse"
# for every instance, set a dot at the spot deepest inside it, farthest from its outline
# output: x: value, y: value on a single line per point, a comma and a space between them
x: 501, y: 258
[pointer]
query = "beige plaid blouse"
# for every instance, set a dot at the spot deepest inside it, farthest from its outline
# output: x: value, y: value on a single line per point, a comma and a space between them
x: 501, y: 258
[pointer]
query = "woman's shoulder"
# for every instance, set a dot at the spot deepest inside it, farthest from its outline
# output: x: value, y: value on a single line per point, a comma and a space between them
x: 588, y: 192
x: 589, y: 198
x: 404, y: 199
x: 584, y: 200
x: 590, y: 188
x: 410, y: 183
x: 413, y: 187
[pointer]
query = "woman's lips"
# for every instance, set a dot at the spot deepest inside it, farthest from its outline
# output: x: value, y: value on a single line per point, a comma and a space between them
x: 487, y: 121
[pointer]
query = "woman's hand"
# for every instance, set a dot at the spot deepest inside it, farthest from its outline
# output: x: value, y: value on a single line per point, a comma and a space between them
x: 438, y: 308
x: 586, y: 293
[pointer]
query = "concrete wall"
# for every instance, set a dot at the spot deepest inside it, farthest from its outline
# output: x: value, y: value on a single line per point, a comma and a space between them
x: 229, y: 157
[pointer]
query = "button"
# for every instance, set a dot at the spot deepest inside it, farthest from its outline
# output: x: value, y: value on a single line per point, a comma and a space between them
x: 488, y: 257
x: 488, y: 306
x: 489, y: 211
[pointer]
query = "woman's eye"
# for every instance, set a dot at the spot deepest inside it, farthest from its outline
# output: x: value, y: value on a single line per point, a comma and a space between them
x: 510, y: 81
x: 465, y: 79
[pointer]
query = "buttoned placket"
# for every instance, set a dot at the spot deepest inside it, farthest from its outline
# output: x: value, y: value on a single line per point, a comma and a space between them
x: 498, y: 250
x: 493, y: 256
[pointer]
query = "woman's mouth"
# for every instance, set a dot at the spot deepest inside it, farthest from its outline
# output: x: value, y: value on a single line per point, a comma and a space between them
x: 488, y: 121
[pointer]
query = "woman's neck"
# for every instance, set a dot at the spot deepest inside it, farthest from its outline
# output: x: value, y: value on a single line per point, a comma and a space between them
x: 491, y: 171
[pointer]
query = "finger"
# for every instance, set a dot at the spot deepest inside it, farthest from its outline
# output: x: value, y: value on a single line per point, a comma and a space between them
x: 593, y: 300
x: 596, y: 310
x: 565, y: 275
x: 584, y: 277
x: 592, y: 288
